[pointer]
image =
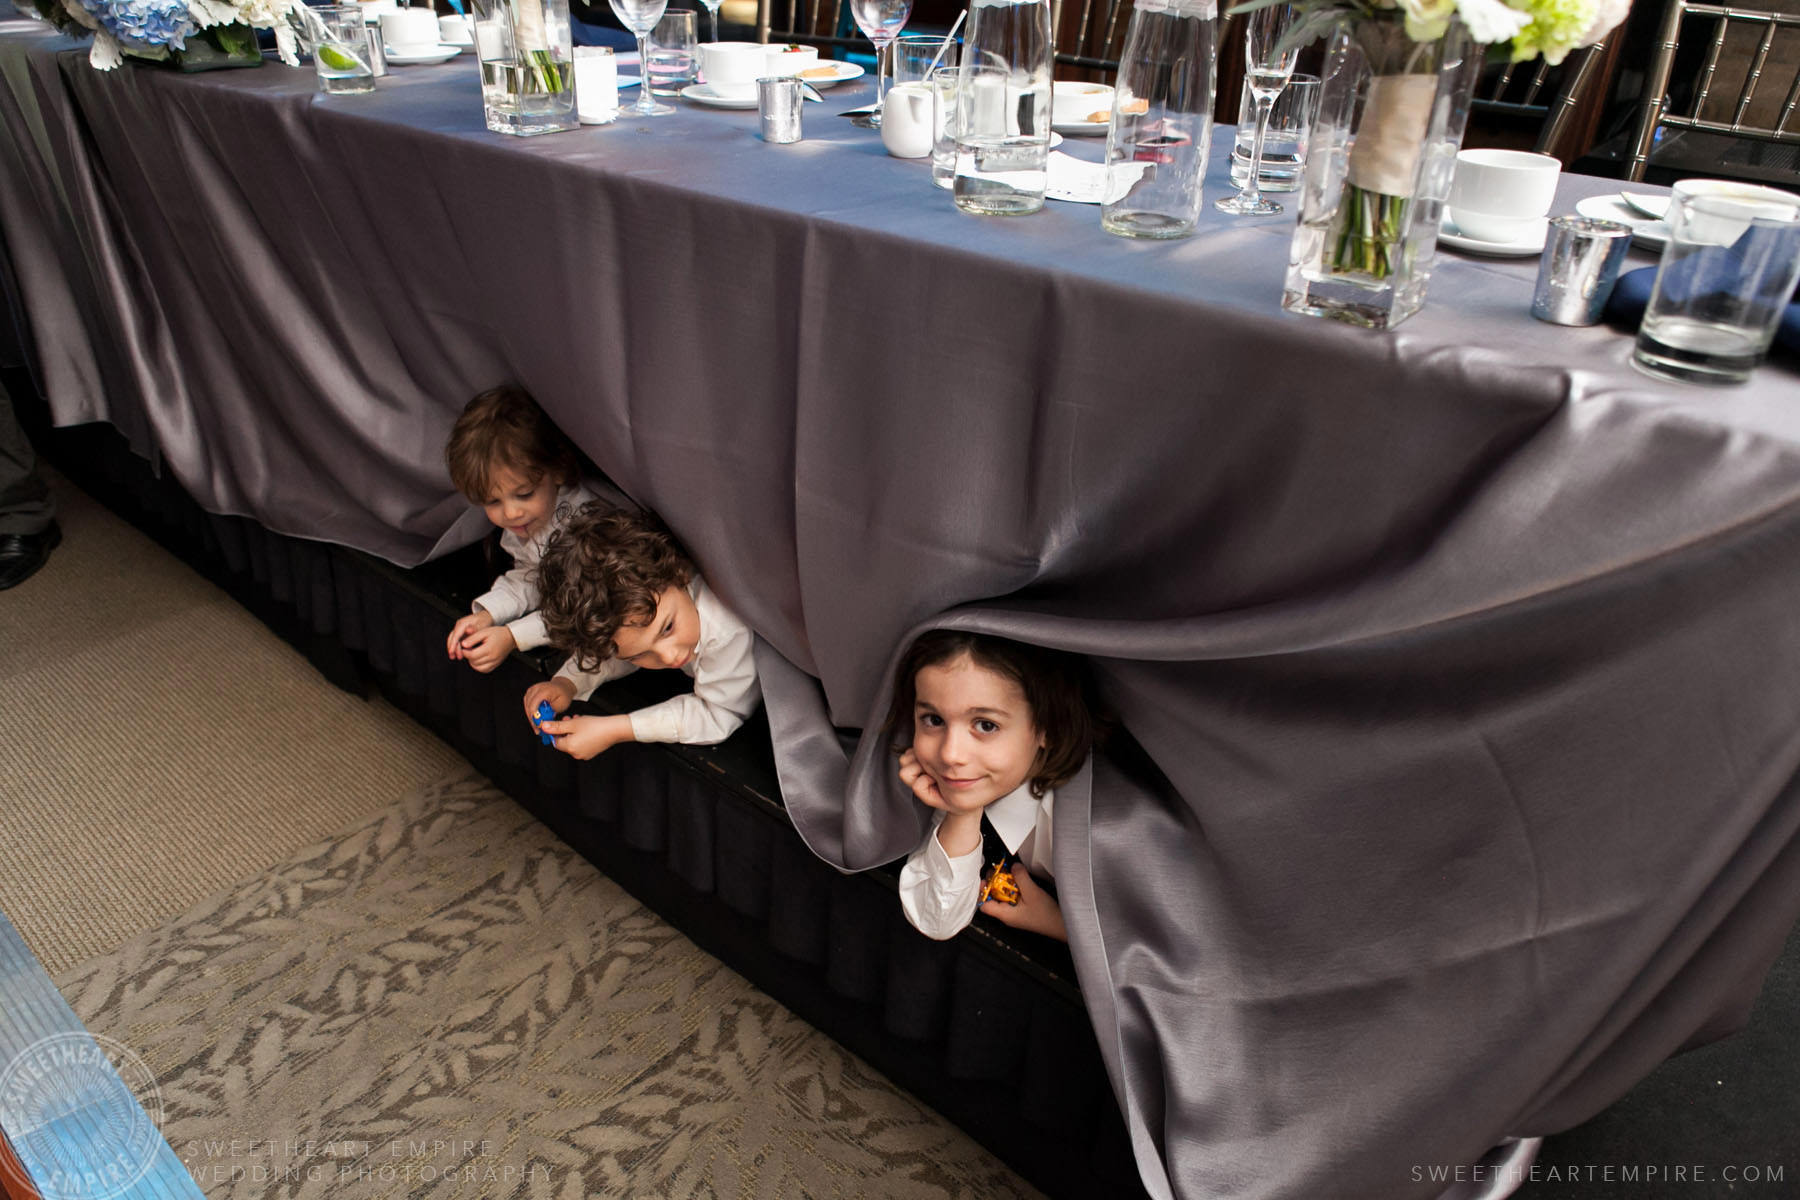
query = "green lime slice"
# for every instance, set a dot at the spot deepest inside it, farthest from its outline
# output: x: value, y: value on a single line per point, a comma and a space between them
x: 339, y: 59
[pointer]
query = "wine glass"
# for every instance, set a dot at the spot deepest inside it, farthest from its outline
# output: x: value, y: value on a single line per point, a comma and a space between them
x: 712, y: 11
x: 641, y: 16
x: 880, y: 21
x: 1267, y: 66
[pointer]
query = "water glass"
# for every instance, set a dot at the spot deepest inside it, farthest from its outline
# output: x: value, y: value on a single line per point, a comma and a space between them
x: 673, y: 57
x: 1003, y: 110
x: 1284, y: 145
x: 913, y: 55
x: 1161, y: 128
x: 1727, y: 274
x: 341, y: 50
x: 778, y: 103
x: 944, y: 83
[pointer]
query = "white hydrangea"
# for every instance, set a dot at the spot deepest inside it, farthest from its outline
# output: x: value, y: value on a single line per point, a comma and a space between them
x: 1490, y: 21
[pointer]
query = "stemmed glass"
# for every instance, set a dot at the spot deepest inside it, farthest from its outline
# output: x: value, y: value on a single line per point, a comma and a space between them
x: 641, y: 16
x: 1268, y: 64
x: 712, y: 11
x: 880, y: 21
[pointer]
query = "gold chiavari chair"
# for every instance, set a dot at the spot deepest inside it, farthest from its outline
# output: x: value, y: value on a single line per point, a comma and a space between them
x: 806, y: 22
x: 1563, y: 102
x: 1743, y: 50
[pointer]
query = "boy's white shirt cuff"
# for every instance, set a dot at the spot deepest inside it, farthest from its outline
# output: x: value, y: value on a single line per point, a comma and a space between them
x: 528, y: 631
x: 658, y: 723
x: 498, y: 605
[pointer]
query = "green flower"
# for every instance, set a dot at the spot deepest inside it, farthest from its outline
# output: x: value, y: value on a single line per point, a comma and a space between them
x: 1555, y: 28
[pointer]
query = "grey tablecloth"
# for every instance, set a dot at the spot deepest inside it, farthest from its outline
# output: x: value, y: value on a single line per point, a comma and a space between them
x: 1463, y: 659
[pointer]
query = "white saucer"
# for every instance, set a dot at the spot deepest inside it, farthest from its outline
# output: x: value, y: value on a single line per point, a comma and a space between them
x: 1651, y: 235
x: 702, y: 93
x: 1449, y: 235
x: 845, y: 73
x: 442, y: 52
x: 1083, y: 128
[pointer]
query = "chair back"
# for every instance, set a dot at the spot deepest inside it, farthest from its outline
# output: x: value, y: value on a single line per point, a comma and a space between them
x: 1562, y: 103
x: 1090, y: 37
x: 807, y: 23
x: 1736, y: 52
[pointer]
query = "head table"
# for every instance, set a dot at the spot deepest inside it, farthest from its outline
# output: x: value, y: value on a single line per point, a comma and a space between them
x: 1455, y: 667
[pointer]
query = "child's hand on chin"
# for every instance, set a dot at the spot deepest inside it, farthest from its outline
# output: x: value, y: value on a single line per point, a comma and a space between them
x: 1037, y: 910
x: 925, y: 788
x: 586, y: 737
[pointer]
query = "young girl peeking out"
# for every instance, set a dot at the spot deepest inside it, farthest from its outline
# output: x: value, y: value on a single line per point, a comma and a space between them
x: 620, y: 594
x: 996, y: 725
x: 507, y: 456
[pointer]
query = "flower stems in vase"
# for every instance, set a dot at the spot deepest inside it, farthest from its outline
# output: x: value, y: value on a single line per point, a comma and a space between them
x: 1390, y: 120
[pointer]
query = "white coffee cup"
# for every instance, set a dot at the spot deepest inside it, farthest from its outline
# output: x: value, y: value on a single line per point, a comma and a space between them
x: 1073, y: 103
x: 409, y: 29
x: 732, y: 68
x: 453, y: 30
x: 1502, y: 195
x: 789, y: 60
x: 906, y: 122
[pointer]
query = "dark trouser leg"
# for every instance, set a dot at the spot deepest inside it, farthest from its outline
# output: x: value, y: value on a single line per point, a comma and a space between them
x: 25, y: 504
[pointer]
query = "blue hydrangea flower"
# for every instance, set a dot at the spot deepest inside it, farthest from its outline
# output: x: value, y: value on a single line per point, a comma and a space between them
x: 144, y: 23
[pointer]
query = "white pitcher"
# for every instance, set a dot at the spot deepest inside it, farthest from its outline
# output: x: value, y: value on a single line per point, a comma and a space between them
x: 906, y: 122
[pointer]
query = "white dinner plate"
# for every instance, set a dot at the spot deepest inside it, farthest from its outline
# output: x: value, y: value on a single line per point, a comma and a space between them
x: 845, y: 73
x: 443, y: 52
x: 1651, y: 235
x: 1449, y: 235
x: 702, y: 93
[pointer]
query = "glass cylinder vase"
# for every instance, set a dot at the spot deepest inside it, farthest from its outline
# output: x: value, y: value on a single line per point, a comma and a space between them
x: 1378, y: 167
x: 527, y: 65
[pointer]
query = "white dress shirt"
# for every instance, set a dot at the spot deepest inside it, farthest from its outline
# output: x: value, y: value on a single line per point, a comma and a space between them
x: 513, y: 600
x: 724, y: 672
x: 939, y: 892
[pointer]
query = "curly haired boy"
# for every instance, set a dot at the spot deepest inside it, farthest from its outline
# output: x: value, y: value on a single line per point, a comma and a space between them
x: 619, y: 594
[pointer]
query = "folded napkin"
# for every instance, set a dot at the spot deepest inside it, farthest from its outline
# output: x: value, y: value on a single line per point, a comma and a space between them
x: 1632, y: 295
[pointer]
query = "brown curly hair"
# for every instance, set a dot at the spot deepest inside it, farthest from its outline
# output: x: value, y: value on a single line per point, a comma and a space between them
x: 504, y: 427
x: 605, y: 568
x: 1058, y: 687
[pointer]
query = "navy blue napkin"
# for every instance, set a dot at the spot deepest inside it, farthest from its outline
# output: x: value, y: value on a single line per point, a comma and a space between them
x: 1632, y: 295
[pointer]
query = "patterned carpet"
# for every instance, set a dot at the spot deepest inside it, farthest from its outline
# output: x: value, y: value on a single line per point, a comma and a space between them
x: 445, y: 1000
x: 164, y: 742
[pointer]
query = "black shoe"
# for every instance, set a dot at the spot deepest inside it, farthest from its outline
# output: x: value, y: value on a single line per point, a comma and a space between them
x: 21, y: 554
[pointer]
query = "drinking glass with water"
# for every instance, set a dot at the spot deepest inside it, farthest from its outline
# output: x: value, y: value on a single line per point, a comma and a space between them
x: 341, y: 49
x: 1284, y: 145
x: 1727, y: 274
x: 1003, y: 109
x: 674, y: 58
